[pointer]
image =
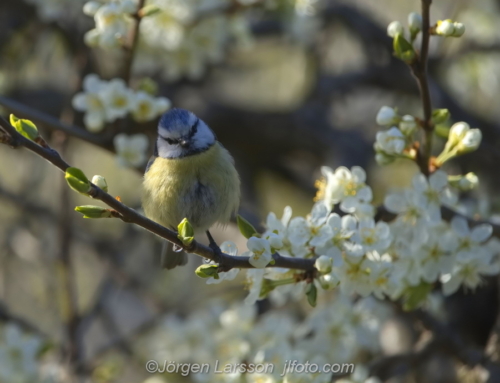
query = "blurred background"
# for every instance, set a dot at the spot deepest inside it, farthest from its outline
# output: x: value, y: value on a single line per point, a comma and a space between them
x: 297, y: 89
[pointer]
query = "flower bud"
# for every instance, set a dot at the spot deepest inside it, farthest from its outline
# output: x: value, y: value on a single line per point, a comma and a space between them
x: 328, y: 281
x: 323, y: 264
x: 386, y: 116
x: 90, y: 211
x: 100, y: 182
x: 407, y: 125
x: 457, y: 133
x: 395, y: 28
x: 470, y: 141
x: 464, y: 183
x: 445, y: 27
x: 415, y: 22
x: 459, y: 29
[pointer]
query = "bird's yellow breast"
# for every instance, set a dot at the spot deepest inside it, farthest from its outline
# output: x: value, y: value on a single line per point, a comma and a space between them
x: 204, y: 188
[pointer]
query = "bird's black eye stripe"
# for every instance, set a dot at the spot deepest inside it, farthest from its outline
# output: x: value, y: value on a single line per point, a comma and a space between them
x: 169, y: 140
x: 194, y: 128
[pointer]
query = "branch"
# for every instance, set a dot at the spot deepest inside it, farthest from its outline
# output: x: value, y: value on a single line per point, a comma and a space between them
x: 134, y: 41
x: 226, y: 262
x: 51, y: 122
x: 419, y: 71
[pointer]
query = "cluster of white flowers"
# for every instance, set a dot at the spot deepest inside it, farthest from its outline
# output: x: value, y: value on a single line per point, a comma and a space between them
x: 113, y: 20
x: 188, y: 36
x: 105, y: 101
x: 19, y: 359
x: 361, y: 256
x: 338, y: 332
x: 396, y: 142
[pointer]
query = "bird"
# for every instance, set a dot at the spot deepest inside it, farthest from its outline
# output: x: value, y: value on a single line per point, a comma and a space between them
x: 190, y: 175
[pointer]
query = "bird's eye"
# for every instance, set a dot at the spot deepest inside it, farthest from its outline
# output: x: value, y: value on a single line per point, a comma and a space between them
x: 170, y: 141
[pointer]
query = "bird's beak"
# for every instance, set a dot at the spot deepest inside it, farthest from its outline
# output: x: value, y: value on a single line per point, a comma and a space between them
x: 184, y: 143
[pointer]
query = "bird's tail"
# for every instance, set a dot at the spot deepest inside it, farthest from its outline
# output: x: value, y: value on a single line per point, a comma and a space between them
x: 170, y: 258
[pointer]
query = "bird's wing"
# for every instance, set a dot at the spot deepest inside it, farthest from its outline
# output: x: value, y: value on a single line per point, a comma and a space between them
x: 150, y: 162
x: 152, y: 158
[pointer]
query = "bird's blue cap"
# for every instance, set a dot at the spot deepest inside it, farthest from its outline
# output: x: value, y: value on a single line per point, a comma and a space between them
x: 174, y: 118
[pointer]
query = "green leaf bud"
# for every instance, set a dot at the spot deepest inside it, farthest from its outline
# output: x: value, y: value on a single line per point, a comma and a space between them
x: 185, y: 232
x: 207, y: 271
x: 77, y: 181
x: 90, y: 211
x: 25, y: 127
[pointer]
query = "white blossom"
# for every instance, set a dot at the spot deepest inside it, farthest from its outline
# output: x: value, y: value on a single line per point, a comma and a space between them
x: 131, y: 150
x: 469, y: 241
x: 343, y: 184
x: 468, y: 273
x: 434, y: 192
x: 117, y: 99
x: 260, y: 250
x: 373, y: 236
x: 90, y: 102
x: 145, y: 107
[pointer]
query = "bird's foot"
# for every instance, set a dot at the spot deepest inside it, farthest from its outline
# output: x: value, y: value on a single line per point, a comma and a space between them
x: 215, y: 248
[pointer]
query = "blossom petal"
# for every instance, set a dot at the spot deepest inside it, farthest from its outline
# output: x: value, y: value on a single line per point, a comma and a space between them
x: 460, y: 226
x: 395, y: 203
x: 229, y: 247
x: 419, y: 182
x: 358, y: 174
x: 438, y: 180
x: 481, y: 233
x: 452, y: 285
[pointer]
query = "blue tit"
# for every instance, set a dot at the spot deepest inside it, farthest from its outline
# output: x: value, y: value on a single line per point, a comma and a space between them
x: 190, y: 175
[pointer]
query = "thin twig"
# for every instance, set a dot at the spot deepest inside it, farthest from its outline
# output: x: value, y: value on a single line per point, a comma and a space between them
x: 133, y: 43
x: 51, y: 122
x: 226, y: 262
x: 419, y: 70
